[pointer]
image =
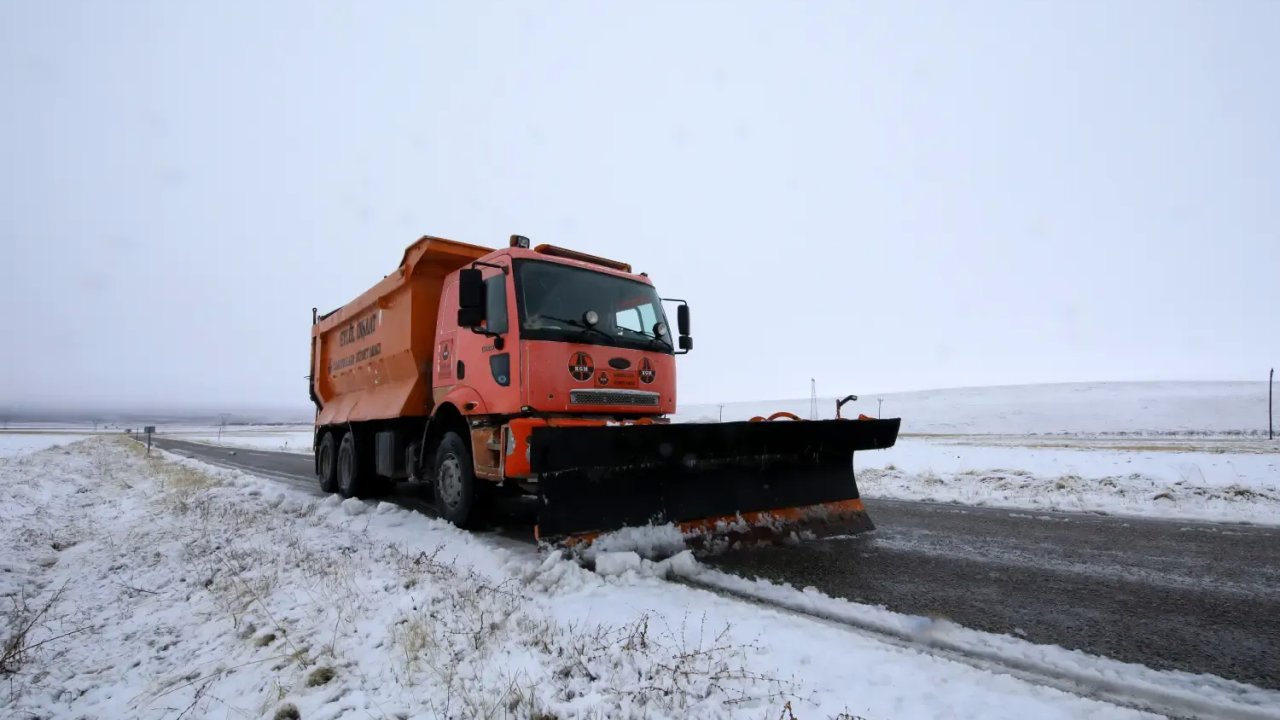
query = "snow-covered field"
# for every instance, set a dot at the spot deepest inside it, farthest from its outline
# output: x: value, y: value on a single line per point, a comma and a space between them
x: 162, y: 588
x: 13, y: 444
x: 1198, y: 480
x: 290, y: 439
x: 1154, y: 408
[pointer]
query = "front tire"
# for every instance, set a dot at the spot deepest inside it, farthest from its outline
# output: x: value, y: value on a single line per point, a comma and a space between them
x: 455, y: 482
x: 327, y: 463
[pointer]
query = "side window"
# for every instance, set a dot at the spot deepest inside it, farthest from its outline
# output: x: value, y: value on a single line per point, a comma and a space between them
x: 640, y: 318
x: 628, y: 319
x: 495, y: 302
x: 648, y: 318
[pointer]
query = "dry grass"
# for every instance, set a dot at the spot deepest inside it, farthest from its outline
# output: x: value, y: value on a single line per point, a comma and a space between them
x: 23, y: 620
x: 450, y: 642
x: 454, y: 645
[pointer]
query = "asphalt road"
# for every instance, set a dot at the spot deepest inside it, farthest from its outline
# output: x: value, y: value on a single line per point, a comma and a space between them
x: 1197, y: 597
x: 298, y: 470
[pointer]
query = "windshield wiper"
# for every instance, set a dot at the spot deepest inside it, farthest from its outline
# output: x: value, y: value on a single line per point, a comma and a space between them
x: 580, y: 325
x: 653, y: 339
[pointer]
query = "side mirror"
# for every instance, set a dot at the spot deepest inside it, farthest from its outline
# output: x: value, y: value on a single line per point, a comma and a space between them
x: 684, y: 342
x: 470, y: 298
x: 682, y: 322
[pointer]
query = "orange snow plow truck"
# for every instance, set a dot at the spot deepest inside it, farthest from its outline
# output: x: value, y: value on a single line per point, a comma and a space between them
x: 550, y: 372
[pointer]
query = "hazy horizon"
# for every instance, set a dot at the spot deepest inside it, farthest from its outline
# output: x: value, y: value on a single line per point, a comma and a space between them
x: 301, y: 413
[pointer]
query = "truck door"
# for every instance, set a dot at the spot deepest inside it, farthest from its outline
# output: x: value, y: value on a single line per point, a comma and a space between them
x: 488, y: 361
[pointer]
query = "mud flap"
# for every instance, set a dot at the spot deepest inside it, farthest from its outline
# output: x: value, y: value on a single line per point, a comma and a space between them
x: 723, y: 478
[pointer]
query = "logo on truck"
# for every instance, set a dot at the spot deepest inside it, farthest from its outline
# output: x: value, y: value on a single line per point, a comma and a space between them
x: 581, y: 367
x: 647, y: 373
x: 359, y: 329
x: 353, y: 332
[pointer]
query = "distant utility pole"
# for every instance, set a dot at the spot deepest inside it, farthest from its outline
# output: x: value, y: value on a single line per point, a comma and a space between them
x: 95, y: 426
x: 1271, y: 391
x: 813, y: 399
x: 222, y: 417
x: 879, y: 407
x: 722, y: 413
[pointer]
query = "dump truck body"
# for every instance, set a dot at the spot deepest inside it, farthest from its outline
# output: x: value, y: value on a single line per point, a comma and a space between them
x: 552, y: 372
x: 368, y: 355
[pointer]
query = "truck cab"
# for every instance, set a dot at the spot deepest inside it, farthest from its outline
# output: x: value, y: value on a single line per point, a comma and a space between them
x: 529, y: 338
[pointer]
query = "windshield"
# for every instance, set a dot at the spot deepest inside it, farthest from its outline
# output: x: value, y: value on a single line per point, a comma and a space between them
x: 553, y: 299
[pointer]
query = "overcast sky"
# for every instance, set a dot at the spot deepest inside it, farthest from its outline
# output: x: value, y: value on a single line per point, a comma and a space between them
x: 884, y: 196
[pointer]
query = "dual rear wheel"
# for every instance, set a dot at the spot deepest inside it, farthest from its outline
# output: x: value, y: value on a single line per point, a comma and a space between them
x: 344, y: 468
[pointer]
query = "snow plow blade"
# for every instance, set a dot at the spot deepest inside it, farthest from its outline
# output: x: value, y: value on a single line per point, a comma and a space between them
x: 733, y: 480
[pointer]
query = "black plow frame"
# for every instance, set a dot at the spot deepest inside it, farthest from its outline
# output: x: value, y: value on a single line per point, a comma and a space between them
x: 600, y: 478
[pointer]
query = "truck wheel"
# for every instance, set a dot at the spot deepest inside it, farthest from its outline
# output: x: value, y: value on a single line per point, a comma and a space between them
x: 349, y: 467
x: 327, y: 463
x: 455, y: 481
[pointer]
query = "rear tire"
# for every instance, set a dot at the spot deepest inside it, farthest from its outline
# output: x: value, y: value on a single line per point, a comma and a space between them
x: 349, y: 484
x: 327, y: 463
x: 455, y: 482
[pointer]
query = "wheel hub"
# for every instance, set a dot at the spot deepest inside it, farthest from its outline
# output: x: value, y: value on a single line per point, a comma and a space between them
x: 450, y: 481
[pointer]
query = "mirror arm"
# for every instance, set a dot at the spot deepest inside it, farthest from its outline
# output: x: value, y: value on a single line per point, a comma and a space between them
x: 498, y: 342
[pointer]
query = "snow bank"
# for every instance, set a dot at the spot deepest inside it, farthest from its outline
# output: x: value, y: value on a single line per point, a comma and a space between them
x: 650, y: 542
x: 1160, y: 482
x: 165, y: 589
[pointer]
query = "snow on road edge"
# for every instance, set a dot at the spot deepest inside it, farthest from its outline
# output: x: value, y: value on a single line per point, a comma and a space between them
x: 208, y: 591
x: 1136, y: 495
x: 1181, y: 691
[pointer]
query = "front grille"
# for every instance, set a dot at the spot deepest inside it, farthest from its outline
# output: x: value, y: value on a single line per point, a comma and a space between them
x: 635, y: 398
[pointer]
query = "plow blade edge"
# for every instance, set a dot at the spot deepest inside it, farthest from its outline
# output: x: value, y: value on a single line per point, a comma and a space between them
x: 738, y: 478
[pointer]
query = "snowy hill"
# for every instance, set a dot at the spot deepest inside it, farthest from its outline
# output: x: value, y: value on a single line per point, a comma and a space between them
x: 1082, y: 408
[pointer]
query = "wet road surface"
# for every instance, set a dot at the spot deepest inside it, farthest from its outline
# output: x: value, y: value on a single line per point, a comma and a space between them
x: 1197, y: 597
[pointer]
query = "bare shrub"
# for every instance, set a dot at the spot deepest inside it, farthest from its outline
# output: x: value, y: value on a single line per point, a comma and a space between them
x: 23, y: 619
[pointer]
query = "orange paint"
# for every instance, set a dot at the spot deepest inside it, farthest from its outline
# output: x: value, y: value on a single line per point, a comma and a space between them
x: 759, y: 525
x: 368, y: 355
x: 397, y: 351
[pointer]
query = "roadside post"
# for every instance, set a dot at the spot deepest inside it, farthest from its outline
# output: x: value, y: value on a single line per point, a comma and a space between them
x: 148, y: 430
